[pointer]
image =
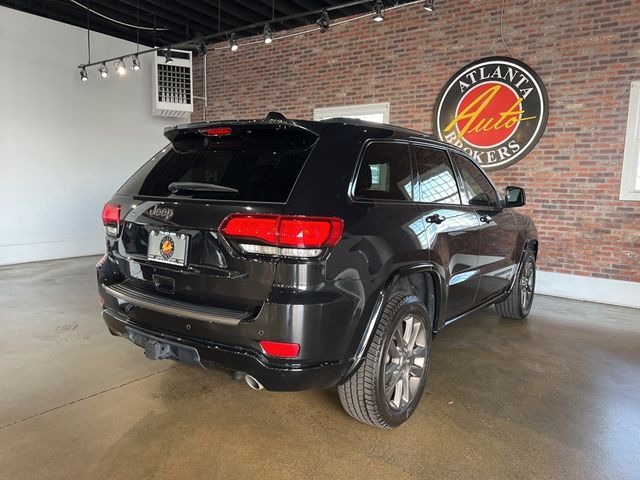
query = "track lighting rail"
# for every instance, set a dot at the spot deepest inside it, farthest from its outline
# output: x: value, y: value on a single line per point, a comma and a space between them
x: 226, y: 34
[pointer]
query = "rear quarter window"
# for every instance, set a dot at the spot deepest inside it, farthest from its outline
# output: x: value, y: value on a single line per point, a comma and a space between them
x: 385, y: 172
x: 262, y: 164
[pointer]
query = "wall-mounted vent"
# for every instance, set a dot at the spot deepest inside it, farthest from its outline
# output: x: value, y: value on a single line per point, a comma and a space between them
x: 172, y: 84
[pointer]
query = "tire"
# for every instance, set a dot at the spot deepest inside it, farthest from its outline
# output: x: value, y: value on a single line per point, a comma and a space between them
x: 518, y: 304
x: 363, y: 394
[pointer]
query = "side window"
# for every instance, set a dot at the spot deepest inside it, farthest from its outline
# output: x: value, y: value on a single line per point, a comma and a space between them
x: 480, y: 191
x: 385, y: 172
x: 436, y: 181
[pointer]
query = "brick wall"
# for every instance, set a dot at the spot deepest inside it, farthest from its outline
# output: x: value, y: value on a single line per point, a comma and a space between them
x: 586, y: 52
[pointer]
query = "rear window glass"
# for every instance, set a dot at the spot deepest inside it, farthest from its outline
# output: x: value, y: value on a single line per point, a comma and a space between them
x: 251, y: 164
x: 385, y: 172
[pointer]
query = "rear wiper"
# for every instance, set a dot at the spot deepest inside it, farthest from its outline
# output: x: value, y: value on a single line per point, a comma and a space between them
x: 176, y: 187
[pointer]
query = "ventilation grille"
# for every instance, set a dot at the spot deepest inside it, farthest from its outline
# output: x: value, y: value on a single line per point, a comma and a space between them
x: 173, y: 84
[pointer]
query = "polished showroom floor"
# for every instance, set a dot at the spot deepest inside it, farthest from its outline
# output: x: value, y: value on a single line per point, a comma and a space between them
x: 554, y: 397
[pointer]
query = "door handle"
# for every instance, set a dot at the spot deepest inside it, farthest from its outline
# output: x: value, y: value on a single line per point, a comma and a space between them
x: 437, y: 219
x: 486, y: 218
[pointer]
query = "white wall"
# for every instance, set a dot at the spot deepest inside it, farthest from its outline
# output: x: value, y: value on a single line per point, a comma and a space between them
x: 65, y: 146
x: 590, y: 289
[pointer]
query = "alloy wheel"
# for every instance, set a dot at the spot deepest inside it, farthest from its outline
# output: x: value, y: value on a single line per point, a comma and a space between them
x: 405, y: 362
x: 527, y: 283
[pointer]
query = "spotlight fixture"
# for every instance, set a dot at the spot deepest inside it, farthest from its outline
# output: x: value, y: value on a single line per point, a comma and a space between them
x: 104, y: 73
x: 120, y: 67
x: 323, y: 21
x: 378, y: 12
x: 167, y: 56
x: 268, y: 34
x: 428, y: 5
x: 233, y: 45
x: 83, y: 74
x: 135, y: 62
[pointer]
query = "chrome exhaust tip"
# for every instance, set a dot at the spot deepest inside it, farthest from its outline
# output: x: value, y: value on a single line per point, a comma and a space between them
x: 253, y: 383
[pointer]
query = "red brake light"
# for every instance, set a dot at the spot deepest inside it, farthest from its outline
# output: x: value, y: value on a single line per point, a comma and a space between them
x: 259, y: 227
x: 309, y: 232
x: 111, y: 219
x: 279, y: 349
x: 216, y: 131
x: 285, y: 230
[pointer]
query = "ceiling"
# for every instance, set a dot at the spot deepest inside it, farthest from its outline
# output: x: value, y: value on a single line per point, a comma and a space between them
x: 183, y: 19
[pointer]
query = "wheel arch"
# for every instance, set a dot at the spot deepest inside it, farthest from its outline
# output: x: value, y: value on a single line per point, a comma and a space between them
x: 529, y: 245
x: 421, y: 280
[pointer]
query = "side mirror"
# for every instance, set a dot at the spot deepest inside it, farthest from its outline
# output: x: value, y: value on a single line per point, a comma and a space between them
x: 514, y: 197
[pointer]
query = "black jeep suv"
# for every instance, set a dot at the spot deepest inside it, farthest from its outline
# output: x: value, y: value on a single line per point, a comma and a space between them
x: 311, y: 254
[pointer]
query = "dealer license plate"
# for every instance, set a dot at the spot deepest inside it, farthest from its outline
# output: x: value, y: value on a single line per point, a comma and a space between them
x: 168, y: 247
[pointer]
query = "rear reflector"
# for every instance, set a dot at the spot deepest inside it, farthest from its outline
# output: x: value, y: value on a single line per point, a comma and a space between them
x: 279, y: 349
x: 216, y: 132
x: 111, y: 219
x: 292, y: 232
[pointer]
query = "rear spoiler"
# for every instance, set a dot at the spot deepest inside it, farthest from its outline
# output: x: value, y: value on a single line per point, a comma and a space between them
x: 273, y: 119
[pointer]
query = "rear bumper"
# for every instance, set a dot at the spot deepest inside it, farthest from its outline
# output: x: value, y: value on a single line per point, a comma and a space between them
x: 215, y: 355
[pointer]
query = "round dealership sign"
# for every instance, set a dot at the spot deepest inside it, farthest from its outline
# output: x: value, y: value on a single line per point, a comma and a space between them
x: 495, y: 109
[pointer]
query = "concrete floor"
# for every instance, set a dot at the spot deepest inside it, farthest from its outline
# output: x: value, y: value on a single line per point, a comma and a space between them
x: 554, y: 397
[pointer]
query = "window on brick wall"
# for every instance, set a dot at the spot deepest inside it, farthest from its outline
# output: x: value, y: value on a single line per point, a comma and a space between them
x: 630, y: 183
x: 371, y: 112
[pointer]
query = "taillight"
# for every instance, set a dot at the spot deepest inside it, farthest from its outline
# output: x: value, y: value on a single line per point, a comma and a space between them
x: 309, y: 233
x: 285, y: 235
x: 259, y: 227
x: 280, y: 349
x: 111, y: 219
